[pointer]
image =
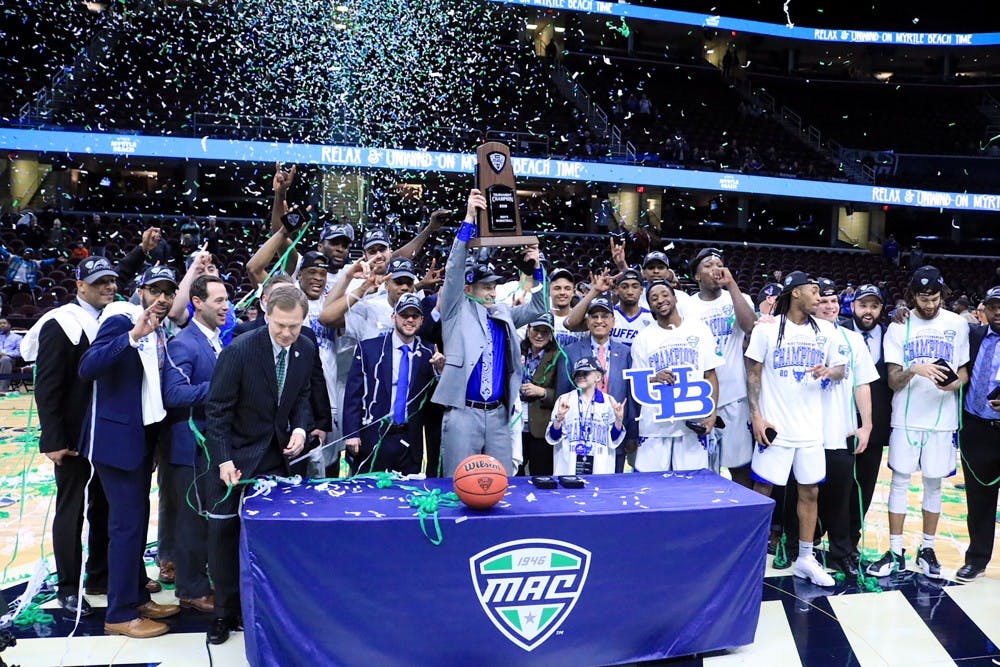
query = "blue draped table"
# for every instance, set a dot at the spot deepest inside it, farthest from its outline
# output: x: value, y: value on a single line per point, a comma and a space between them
x: 633, y: 567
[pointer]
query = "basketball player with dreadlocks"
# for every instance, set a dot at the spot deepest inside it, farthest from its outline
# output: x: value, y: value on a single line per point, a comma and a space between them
x: 789, y: 361
x: 925, y: 358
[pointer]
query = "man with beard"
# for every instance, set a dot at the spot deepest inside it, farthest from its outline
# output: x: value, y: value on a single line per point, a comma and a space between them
x: 866, y: 311
x: 390, y: 377
x: 680, y: 351
x: 843, y: 402
x: 125, y: 363
x: 980, y: 441
x: 925, y: 358
x: 728, y: 314
x: 58, y: 341
x: 789, y: 361
x: 481, y: 381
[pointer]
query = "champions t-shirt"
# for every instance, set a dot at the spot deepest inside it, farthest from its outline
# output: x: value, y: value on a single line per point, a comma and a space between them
x: 625, y: 329
x: 720, y: 318
x: 689, y: 345
x: 839, y: 409
x: 920, y: 405
x: 790, y: 398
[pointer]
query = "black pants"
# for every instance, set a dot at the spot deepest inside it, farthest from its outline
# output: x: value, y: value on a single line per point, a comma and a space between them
x: 867, y: 465
x: 981, y: 465
x: 392, y: 455
x: 67, y: 525
x: 835, y: 503
x: 537, y: 454
x: 190, y: 549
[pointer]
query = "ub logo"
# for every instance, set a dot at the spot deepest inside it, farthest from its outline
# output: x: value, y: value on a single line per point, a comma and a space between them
x: 529, y: 587
x: 684, y: 399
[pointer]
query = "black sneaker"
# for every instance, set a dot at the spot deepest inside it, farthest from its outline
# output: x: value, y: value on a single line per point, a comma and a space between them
x: 887, y: 564
x: 927, y: 561
x: 969, y: 572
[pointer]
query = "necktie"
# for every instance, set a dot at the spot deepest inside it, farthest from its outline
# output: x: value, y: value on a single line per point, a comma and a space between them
x: 279, y: 370
x: 216, y: 346
x: 602, y: 360
x: 868, y: 341
x: 486, y: 380
x: 402, y: 386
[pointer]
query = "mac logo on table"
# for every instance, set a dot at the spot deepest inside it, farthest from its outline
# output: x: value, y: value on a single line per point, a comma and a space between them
x: 528, y: 587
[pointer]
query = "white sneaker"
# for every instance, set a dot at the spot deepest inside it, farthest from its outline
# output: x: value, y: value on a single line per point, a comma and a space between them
x: 807, y: 568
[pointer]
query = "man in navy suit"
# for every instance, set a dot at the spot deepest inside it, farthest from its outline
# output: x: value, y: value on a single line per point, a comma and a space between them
x: 614, y: 358
x: 389, y: 380
x: 191, y: 356
x: 125, y: 362
x: 257, y: 415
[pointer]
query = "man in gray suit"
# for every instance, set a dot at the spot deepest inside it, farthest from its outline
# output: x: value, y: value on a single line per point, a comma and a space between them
x: 482, y: 373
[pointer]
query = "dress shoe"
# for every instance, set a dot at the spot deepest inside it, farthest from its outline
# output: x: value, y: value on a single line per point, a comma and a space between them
x: 218, y: 631
x: 154, y: 610
x: 153, y: 586
x: 71, y: 601
x: 845, y: 565
x: 168, y: 573
x: 205, y: 604
x: 137, y: 628
x: 969, y: 572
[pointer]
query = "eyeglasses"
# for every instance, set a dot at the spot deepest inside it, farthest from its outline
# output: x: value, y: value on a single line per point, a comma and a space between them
x: 409, y: 315
x: 168, y: 292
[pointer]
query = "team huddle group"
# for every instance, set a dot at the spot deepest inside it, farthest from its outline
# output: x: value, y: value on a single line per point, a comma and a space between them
x: 374, y: 363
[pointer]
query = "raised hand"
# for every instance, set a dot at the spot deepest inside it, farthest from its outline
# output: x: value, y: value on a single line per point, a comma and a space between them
x: 145, y: 324
x: 282, y: 179
x: 618, y: 253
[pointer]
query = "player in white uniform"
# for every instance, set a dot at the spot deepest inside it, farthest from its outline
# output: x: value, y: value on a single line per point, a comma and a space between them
x: 586, y: 425
x: 789, y: 361
x: 656, y: 266
x: 924, y: 411
x: 728, y: 314
x: 843, y: 401
x: 676, y: 384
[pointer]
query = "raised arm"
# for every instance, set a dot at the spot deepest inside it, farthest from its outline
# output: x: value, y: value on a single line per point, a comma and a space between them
x: 257, y: 265
x: 416, y: 244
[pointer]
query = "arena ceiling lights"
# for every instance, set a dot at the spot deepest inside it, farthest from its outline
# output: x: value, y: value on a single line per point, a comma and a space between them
x: 788, y: 31
x: 136, y: 145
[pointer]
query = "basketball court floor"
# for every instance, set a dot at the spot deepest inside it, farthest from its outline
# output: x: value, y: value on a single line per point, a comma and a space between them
x: 912, y: 620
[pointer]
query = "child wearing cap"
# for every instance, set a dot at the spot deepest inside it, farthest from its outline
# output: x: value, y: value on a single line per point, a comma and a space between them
x: 586, y: 426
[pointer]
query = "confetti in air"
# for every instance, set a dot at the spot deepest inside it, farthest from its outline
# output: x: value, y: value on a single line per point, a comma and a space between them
x: 788, y: 14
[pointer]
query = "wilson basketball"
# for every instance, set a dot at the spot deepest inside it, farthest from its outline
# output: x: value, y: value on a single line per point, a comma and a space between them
x: 480, y: 481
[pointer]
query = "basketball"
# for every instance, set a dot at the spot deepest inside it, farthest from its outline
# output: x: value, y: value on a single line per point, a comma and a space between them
x: 480, y: 481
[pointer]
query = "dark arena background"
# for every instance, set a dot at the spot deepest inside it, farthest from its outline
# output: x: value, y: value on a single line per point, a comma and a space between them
x: 856, y: 141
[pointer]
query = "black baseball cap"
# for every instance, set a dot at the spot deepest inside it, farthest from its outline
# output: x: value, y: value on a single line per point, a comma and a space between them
x: 314, y: 259
x: 992, y: 294
x: 544, y: 320
x: 826, y: 287
x: 656, y: 256
x: 375, y: 236
x: 408, y: 302
x: 927, y: 280
x: 657, y: 283
x: 480, y: 273
x: 563, y: 273
x: 868, y: 290
x: 703, y: 254
x: 600, y: 302
x: 796, y: 279
x: 629, y: 274
x: 586, y: 365
x: 770, y: 289
x: 158, y: 274
x: 331, y: 232
x: 401, y: 267
x: 93, y: 269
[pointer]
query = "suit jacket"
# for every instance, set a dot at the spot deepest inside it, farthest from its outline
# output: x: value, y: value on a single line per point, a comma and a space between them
x: 244, y: 416
x: 368, y: 396
x: 977, y: 333
x: 186, y: 378
x: 115, y: 423
x: 621, y: 359
x: 881, y: 393
x: 319, y: 397
x: 61, y: 395
x: 540, y: 409
x: 465, y: 338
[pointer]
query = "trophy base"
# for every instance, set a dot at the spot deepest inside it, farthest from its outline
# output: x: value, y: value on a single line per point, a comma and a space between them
x: 502, y: 241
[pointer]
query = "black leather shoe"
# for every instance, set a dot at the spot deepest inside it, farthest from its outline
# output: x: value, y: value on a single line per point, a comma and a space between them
x: 71, y: 602
x: 969, y: 572
x: 218, y: 631
x: 845, y: 565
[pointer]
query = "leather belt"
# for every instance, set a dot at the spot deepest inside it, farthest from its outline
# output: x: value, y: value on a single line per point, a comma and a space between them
x: 992, y: 423
x: 480, y: 405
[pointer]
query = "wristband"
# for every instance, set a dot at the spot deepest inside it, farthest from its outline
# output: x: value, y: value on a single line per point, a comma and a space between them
x: 468, y: 231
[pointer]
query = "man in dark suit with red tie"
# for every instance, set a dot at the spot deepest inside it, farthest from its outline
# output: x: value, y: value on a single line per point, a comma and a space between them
x: 386, y: 388
x: 257, y: 415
